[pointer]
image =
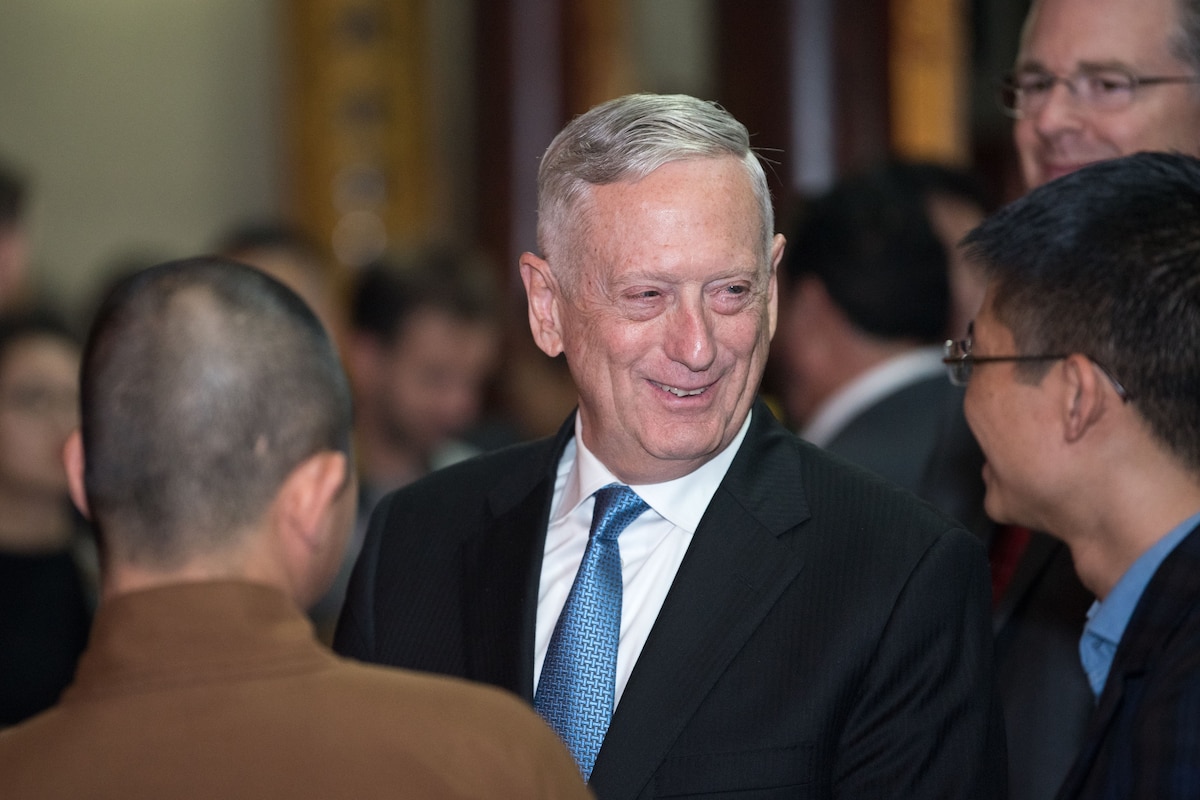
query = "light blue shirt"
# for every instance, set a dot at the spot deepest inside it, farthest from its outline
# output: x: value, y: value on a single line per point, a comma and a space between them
x: 1107, y: 620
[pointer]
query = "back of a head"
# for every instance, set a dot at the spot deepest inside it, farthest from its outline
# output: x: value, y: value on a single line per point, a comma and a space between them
x: 626, y: 139
x: 389, y: 291
x: 870, y: 242
x: 204, y: 384
x: 1106, y: 262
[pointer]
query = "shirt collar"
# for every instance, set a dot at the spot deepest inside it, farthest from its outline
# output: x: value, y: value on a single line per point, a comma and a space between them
x: 1108, y: 619
x: 682, y: 501
x: 869, y: 388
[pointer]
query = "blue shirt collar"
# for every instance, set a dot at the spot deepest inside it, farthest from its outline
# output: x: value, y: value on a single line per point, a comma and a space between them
x: 1107, y: 620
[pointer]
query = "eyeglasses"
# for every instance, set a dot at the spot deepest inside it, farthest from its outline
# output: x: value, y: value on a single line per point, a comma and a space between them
x: 960, y: 362
x: 1026, y: 93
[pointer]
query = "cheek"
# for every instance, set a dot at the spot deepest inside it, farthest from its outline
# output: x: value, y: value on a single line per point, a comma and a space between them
x: 974, y: 414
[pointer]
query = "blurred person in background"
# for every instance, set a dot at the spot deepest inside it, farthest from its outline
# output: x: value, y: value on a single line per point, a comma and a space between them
x: 955, y: 202
x: 1097, y: 79
x: 423, y: 343
x: 291, y: 257
x: 46, y: 558
x: 860, y: 348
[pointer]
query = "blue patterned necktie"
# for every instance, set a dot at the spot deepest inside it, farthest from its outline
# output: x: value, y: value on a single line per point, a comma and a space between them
x: 578, y: 684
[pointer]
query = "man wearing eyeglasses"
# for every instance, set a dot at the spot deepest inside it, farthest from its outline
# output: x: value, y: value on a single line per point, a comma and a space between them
x: 1083, y: 373
x: 1097, y: 79
x: 1093, y: 80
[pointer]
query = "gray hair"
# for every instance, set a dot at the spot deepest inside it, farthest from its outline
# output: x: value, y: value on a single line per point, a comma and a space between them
x: 1185, y: 43
x: 625, y: 140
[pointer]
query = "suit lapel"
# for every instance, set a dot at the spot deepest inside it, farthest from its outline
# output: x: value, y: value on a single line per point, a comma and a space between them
x: 1164, y: 605
x: 734, y: 572
x: 502, y: 567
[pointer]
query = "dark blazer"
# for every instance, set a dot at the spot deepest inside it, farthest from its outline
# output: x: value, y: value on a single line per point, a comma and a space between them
x: 917, y: 438
x: 826, y: 634
x: 1144, y: 739
x: 1045, y: 693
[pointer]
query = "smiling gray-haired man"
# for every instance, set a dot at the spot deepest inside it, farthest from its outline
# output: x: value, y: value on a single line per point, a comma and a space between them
x: 775, y: 623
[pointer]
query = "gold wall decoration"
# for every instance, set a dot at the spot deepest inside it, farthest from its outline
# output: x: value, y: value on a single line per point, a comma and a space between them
x: 929, y: 73
x: 359, y: 177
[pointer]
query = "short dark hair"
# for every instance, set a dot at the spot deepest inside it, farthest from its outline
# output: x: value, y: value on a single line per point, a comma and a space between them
x: 204, y: 384
x: 870, y: 241
x: 1106, y: 262
x: 390, y: 290
x: 39, y: 322
x: 932, y: 179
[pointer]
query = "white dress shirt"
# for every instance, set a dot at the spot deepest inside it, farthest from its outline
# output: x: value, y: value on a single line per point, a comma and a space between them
x: 880, y: 381
x: 652, y: 547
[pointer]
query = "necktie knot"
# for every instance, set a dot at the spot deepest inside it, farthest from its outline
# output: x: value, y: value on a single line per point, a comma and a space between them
x: 616, y: 506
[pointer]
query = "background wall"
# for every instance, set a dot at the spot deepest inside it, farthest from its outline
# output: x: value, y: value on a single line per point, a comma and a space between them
x: 148, y: 127
x: 144, y: 126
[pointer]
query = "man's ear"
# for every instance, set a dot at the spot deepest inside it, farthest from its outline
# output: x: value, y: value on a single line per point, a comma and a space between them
x: 307, y: 495
x: 1084, y: 397
x: 542, y: 292
x: 73, y: 460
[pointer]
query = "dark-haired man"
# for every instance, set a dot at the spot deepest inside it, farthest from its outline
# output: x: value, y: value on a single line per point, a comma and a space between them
x: 1084, y: 371
x: 214, y: 460
x: 423, y: 344
x: 1093, y: 80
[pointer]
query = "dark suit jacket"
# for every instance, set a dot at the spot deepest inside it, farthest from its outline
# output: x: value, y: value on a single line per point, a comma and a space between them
x: 1144, y: 739
x: 826, y: 634
x: 917, y: 438
x: 1046, y: 695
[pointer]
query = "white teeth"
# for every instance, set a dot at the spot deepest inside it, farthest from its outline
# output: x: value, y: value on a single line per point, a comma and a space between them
x: 680, y: 392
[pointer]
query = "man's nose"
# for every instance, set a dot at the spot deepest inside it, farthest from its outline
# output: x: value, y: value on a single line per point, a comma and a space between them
x: 690, y: 338
x: 1061, y: 110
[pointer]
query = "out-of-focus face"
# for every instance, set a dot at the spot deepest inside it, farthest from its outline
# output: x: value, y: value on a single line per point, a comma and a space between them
x: 432, y: 379
x: 39, y: 407
x: 1063, y: 37
x: 668, y: 331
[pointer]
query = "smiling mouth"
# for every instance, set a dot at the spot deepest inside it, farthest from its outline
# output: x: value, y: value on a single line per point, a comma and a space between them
x: 680, y: 392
